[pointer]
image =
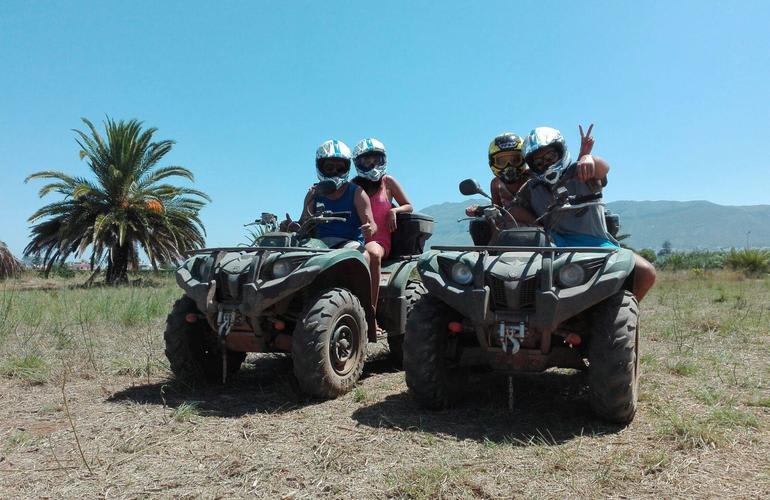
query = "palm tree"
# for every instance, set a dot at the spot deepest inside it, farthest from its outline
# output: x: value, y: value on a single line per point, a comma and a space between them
x: 9, y: 265
x: 124, y: 208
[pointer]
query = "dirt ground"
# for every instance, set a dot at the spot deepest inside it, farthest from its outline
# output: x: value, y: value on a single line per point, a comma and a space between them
x: 87, y: 410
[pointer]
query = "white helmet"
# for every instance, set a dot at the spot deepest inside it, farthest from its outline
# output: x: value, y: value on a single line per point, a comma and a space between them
x: 370, y: 159
x: 329, y: 150
x: 549, y: 171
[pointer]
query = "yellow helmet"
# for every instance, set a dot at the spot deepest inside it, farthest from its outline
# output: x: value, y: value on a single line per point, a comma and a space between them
x: 507, y: 172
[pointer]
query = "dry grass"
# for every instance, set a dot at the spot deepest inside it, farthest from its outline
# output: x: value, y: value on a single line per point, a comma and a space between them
x: 703, y: 428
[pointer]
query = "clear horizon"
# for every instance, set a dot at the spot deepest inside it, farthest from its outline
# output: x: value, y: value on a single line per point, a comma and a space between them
x: 677, y: 92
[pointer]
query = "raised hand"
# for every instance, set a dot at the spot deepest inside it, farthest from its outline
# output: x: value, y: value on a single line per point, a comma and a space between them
x: 586, y: 141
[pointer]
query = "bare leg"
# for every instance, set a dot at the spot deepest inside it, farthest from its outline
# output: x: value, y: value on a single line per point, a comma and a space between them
x: 375, y: 253
x: 644, y: 277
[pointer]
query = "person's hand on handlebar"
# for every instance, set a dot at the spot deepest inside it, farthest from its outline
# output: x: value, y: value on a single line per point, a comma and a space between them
x: 474, y: 211
x: 288, y: 225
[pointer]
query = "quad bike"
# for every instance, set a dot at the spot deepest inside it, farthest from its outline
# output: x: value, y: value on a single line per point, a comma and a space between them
x: 524, y: 305
x: 292, y: 293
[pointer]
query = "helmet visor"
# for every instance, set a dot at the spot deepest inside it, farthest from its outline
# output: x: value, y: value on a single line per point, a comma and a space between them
x: 368, y: 161
x: 334, y: 167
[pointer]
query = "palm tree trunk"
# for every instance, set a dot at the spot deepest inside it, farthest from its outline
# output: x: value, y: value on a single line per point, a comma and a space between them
x: 117, y: 266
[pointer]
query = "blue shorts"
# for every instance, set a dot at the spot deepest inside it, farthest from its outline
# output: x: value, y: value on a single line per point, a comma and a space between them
x: 581, y: 240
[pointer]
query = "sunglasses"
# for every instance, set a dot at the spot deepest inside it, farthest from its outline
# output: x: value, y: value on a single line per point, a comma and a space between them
x: 333, y: 168
x: 550, y: 157
x: 369, y: 161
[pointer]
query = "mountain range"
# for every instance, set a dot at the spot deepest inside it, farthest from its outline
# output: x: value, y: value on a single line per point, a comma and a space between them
x: 687, y: 225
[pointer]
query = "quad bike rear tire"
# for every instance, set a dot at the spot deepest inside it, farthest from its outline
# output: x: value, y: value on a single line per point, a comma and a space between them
x: 192, y: 348
x: 329, y: 344
x: 426, y: 367
x: 613, y: 357
x: 413, y: 291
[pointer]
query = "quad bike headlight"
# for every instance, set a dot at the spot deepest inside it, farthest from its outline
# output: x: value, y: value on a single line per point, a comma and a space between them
x: 284, y: 267
x: 572, y: 275
x: 461, y: 273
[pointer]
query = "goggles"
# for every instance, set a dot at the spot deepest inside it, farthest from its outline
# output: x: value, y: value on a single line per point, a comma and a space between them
x: 334, y: 168
x: 369, y: 161
x: 508, y: 159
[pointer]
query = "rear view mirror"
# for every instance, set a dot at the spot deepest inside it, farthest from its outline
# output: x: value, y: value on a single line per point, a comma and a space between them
x: 470, y: 187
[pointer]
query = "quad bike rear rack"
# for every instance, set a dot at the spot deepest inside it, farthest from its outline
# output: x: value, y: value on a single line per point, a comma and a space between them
x: 471, y: 248
x: 258, y: 249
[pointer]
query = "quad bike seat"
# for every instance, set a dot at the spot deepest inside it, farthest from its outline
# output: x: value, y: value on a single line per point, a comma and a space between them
x: 523, y: 237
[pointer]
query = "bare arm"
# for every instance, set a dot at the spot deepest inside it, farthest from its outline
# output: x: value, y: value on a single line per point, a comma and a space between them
x: 364, y: 209
x: 395, y: 189
x: 521, y: 208
x: 306, y: 210
x: 522, y: 215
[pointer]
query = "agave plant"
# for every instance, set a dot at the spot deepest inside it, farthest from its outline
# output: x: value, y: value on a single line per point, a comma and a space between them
x: 125, y: 207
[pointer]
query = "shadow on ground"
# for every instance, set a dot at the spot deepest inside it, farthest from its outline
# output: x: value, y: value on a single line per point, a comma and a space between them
x: 265, y: 384
x: 549, y: 409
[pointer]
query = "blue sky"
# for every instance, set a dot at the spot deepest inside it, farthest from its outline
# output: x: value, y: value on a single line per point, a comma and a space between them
x: 679, y: 92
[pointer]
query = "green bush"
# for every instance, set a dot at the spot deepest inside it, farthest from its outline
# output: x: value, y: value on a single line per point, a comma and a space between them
x: 648, y: 254
x: 749, y: 261
x: 698, y: 259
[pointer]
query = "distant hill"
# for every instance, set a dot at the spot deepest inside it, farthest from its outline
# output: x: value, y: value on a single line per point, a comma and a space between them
x: 687, y: 225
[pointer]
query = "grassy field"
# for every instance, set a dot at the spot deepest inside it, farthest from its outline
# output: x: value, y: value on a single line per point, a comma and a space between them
x: 87, y: 410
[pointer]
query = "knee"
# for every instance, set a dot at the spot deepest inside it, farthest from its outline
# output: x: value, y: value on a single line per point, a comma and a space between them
x: 645, y: 271
x: 374, y: 255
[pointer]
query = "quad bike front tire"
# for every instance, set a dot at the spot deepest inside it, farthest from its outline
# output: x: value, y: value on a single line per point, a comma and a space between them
x: 613, y: 358
x: 425, y: 345
x: 413, y: 292
x: 329, y: 344
x: 192, y: 349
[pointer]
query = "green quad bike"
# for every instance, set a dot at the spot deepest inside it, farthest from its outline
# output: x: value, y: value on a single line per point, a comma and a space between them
x: 523, y: 305
x: 292, y: 293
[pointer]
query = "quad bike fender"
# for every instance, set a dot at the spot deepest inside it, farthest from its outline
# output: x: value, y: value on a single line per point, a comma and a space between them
x: 350, y: 271
x: 557, y: 305
x: 257, y: 299
x: 392, y: 301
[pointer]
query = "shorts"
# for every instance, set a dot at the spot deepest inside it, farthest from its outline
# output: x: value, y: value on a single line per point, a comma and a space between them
x: 334, y: 242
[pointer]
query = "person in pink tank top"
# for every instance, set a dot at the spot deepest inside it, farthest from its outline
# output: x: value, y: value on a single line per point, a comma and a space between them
x: 370, y: 159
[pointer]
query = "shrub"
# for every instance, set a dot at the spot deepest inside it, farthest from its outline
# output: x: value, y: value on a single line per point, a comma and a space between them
x: 648, y: 254
x: 749, y: 261
x: 698, y: 259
